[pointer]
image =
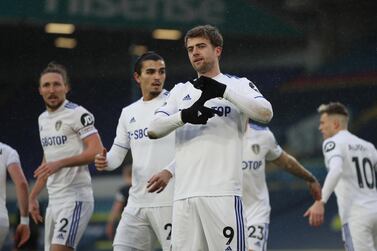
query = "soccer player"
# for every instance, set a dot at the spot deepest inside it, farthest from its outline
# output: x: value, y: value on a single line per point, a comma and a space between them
x: 352, y: 173
x: 10, y: 161
x: 147, y: 215
x: 120, y: 202
x: 259, y: 147
x: 70, y: 141
x: 207, y: 211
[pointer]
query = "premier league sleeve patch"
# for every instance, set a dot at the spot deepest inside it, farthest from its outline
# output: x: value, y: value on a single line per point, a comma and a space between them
x: 87, y: 119
x: 329, y: 146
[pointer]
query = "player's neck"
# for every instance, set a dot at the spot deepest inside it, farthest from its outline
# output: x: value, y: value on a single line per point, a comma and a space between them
x: 211, y: 73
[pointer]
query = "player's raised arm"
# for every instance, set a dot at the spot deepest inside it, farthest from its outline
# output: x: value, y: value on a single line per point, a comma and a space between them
x: 247, y: 98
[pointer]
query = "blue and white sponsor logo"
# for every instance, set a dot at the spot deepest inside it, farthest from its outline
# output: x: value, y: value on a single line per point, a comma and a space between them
x: 138, y: 134
x: 223, y: 110
x: 251, y: 164
x: 54, y: 140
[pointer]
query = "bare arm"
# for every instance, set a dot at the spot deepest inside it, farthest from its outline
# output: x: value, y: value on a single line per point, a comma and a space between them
x: 22, y: 233
x: 33, y: 199
x: 22, y: 187
x: 291, y: 165
x: 92, y: 146
x: 114, y: 215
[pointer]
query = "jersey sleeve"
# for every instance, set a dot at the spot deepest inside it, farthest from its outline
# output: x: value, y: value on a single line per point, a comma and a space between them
x: 122, y: 138
x: 83, y: 122
x: 274, y: 149
x: 246, y: 96
x: 167, y: 118
x: 331, y: 149
x: 170, y: 106
x: 11, y: 156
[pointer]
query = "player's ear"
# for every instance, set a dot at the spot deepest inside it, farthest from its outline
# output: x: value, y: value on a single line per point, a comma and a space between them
x: 218, y: 51
x: 68, y: 88
x: 137, y: 77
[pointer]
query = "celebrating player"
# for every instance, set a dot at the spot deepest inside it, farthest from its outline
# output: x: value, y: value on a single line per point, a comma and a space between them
x: 207, y: 212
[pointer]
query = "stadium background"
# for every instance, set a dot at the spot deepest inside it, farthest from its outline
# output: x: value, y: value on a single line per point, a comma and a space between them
x: 300, y: 53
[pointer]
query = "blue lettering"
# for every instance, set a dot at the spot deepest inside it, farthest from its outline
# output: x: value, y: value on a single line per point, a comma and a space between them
x: 224, y: 110
x: 138, y: 133
x: 54, y: 140
x: 250, y: 164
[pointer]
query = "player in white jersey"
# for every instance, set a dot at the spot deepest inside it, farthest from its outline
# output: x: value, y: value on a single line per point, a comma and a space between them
x: 260, y: 146
x: 10, y: 161
x: 207, y: 211
x: 147, y: 215
x: 352, y: 173
x: 69, y: 141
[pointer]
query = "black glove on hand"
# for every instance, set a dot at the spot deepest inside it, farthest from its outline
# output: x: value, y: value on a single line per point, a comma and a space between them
x: 197, y: 114
x: 210, y: 88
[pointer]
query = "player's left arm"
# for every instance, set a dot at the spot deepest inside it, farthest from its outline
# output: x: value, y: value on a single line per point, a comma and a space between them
x: 317, y: 211
x: 244, y: 95
x: 92, y: 146
x: 291, y: 165
x: 22, y: 233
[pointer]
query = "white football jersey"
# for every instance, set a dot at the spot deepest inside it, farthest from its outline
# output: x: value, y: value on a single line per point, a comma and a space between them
x: 259, y: 146
x: 357, y: 186
x: 149, y: 156
x: 61, y: 134
x: 208, y: 157
x: 8, y: 156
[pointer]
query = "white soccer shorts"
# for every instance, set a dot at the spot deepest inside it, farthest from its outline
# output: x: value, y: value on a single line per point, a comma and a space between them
x: 139, y: 227
x: 360, y: 233
x: 208, y: 223
x: 257, y: 236
x: 66, y: 223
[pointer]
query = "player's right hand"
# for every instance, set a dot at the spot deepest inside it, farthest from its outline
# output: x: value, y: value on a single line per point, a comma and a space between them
x: 197, y: 114
x: 21, y: 235
x: 100, y: 160
x: 34, y: 211
x: 316, y: 213
x: 159, y: 181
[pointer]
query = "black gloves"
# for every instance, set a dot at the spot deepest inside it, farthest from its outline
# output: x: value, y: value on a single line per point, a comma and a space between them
x: 210, y: 88
x: 197, y: 114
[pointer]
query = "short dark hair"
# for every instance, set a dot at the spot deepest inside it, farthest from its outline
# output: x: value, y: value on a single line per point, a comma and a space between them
x: 150, y: 55
x: 206, y: 31
x: 333, y: 108
x: 54, y: 67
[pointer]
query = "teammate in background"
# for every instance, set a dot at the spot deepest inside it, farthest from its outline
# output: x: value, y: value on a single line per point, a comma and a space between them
x: 10, y: 161
x: 70, y: 141
x: 120, y: 202
x: 352, y: 174
x: 207, y: 211
x: 146, y: 215
x: 260, y: 146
